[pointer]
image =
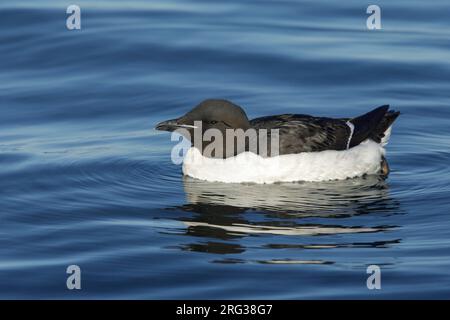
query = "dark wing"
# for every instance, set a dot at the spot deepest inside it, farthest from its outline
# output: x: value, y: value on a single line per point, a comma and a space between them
x: 372, y: 125
x: 303, y: 133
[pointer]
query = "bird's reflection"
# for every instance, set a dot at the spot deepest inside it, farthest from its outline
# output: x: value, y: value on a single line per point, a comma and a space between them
x: 300, y: 212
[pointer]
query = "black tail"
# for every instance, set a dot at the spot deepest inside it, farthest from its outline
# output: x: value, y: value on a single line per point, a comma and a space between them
x: 372, y: 125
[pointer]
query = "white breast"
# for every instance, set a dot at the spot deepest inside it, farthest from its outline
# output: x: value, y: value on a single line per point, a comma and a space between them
x: 309, y: 166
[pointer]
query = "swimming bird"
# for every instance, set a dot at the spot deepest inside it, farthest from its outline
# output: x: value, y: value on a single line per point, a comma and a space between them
x: 309, y: 148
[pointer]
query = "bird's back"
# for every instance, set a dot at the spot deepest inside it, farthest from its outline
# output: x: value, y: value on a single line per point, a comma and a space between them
x: 304, y: 133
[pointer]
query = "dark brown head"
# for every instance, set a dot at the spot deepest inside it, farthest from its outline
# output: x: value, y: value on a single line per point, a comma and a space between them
x: 210, y: 117
x: 213, y: 113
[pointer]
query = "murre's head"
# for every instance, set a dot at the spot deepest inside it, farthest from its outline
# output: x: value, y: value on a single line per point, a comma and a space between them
x: 210, y: 121
x: 213, y: 113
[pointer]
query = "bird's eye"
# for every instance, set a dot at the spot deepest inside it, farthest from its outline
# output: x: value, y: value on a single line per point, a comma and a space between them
x: 213, y: 122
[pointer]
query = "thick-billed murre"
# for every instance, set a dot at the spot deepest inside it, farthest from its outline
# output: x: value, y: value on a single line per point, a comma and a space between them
x: 308, y: 148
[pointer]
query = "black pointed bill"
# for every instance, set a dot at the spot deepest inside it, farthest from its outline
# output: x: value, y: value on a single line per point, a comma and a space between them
x: 172, y: 125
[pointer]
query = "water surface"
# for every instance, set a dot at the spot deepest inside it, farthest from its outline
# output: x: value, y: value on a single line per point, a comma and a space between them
x: 86, y: 180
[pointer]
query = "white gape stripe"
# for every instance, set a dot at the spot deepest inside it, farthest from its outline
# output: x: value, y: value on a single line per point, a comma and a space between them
x: 352, y: 129
x: 187, y: 126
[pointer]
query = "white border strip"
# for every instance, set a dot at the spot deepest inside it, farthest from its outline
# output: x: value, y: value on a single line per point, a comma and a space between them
x: 352, y: 129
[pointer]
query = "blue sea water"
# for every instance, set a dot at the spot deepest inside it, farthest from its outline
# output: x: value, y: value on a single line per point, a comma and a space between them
x: 86, y: 180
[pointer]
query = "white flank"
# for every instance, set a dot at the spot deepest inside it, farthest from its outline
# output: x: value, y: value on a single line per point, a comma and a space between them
x: 308, y: 166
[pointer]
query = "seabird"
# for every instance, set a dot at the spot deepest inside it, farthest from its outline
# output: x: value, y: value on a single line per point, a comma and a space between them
x: 309, y: 148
